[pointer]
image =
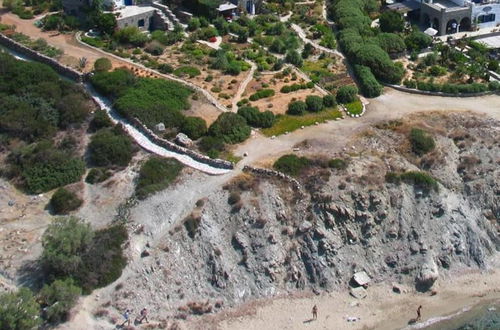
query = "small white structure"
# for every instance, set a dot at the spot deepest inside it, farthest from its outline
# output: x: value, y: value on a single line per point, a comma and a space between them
x: 160, y: 127
x: 431, y: 32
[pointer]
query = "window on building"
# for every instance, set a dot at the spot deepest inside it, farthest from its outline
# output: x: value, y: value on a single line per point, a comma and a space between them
x: 486, y: 18
x: 140, y: 23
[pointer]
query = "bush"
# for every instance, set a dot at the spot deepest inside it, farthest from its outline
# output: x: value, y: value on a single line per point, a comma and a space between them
x: 421, y: 141
x: 58, y: 298
x: 391, y: 43
x: 230, y: 127
x: 368, y: 84
x: 211, y: 145
x: 97, y: 175
x: 347, y: 94
x: 417, y: 40
x: 293, y: 57
x: 187, y: 71
x: 437, y: 70
x: 262, y: 94
x: 115, y: 83
x: 256, y: 118
x: 337, y: 163
x: 100, y: 120
x: 63, y: 243
x: 233, y: 198
x: 102, y: 64
x: 64, y: 201
x: 194, y: 127
x: 43, y: 168
x: 194, y: 24
x: 329, y: 101
x: 314, y: 103
x: 110, y: 147
x: 19, y: 310
x: 156, y: 174
x: 297, y: 108
x: 154, y: 48
x: 291, y: 164
x: 419, y: 179
x: 131, y: 35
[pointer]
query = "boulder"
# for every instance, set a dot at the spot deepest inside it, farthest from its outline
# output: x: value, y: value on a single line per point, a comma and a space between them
x: 358, y: 293
x: 305, y: 226
x: 183, y: 140
x: 160, y: 127
x: 427, y: 275
x: 361, y: 278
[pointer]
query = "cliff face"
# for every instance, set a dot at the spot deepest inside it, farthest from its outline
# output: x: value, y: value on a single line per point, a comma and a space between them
x: 257, y: 237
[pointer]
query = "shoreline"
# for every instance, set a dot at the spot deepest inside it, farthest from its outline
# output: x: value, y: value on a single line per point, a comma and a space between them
x: 381, y: 309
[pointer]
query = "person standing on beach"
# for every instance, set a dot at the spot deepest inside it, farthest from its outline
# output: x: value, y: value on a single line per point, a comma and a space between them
x: 144, y: 315
x: 315, y: 312
x: 126, y: 316
x: 419, y: 316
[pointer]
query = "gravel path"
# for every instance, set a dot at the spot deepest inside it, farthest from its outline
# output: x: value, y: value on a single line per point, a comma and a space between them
x: 243, y: 86
x: 302, y: 35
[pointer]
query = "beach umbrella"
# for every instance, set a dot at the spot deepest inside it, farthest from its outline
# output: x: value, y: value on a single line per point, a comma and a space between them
x: 431, y: 32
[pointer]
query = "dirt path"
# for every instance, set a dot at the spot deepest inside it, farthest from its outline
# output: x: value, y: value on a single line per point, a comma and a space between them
x: 243, y: 86
x: 329, y: 138
x: 302, y: 35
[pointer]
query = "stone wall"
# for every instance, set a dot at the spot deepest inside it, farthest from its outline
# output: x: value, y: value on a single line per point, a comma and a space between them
x: 54, y: 64
x: 218, y: 163
x: 276, y: 174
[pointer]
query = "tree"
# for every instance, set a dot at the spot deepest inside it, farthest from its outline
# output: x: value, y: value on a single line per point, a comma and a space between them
x: 391, y: 21
x: 314, y: 103
x: 100, y: 120
x: 391, y: 43
x: 19, y: 310
x: 102, y: 64
x: 296, y: 108
x: 64, y: 241
x: 308, y: 50
x: 294, y: 58
x: 256, y: 118
x: 278, y: 46
x: 194, y: 127
x: 64, y: 201
x: 417, y: 40
x: 347, y: 94
x: 106, y: 23
x: 58, y: 298
x: 368, y: 84
x: 230, y: 127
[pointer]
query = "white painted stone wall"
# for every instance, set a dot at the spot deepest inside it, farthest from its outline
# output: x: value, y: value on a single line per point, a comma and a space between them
x: 478, y: 10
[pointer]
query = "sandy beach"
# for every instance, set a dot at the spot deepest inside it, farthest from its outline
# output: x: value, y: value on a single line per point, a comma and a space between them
x: 381, y: 309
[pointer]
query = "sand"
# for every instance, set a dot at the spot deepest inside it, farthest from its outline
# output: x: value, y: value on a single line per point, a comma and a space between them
x: 381, y: 309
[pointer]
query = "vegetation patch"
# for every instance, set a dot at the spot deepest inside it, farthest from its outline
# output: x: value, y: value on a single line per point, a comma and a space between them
x: 262, y: 94
x: 64, y: 201
x: 290, y: 123
x: 354, y: 108
x: 421, y: 141
x: 418, y: 179
x: 156, y: 174
x: 291, y: 164
x: 110, y: 147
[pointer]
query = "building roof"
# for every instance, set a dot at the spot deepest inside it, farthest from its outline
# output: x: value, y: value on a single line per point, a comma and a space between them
x: 227, y: 6
x: 405, y: 6
x: 130, y: 11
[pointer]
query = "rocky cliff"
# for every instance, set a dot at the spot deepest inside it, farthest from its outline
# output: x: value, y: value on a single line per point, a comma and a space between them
x: 258, y: 237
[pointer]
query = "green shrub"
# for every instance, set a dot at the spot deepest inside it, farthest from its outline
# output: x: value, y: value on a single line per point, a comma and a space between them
x: 43, y: 168
x: 437, y: 70
x: 165, y: 68
x: 115, y: 83
x: 102, y: 64
x: 347, y: 94
x: 131, y: 35
x: 296, y: 108
x: 391, y: 43
x: 420, y: 179
x: 255, y: 118
x: 262, y: 94
x: 97, y: 175
x: 421, y: 141
x: 329, y: 101
x: 314, y: 103
x: 64, y: 201
x: 211, y: 145
x: 337, y: 163
x: 100, y: 120
x: 234, y: 197
x: 156, y: 174
x: 58, y: 298
x: 19, y: 310
x: 391, y: 21
x: 230, y: 127
x: 354, y: 108
x: 291, y: 164
x: 187, y: 71
x: 110, y: 147
x: 368, y: 84
x: 418, y: 40
x: 194, y: 127
x: 154, y: 48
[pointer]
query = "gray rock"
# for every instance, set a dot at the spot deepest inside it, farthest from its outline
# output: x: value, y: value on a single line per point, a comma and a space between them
x: 183, y: 140
x: 358, y: 293
x: 160, y: 127
x: 427, y: 275
x: 361, y: 278
x: 305, y: 226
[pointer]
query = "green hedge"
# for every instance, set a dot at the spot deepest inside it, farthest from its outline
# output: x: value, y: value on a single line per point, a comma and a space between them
x: 367, y: 82
x: 256, y: 118
x: 262, y: 94
x: 452, y: 88
x: 295, y: 87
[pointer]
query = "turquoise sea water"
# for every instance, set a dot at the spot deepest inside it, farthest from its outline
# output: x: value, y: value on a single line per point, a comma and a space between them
x: 484, y: 316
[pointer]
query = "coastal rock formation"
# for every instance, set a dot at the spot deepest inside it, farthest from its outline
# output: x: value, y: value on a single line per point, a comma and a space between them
x: 271, y: 239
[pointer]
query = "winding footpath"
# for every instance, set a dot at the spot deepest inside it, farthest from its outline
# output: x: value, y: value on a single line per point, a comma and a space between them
x: 243, y: 86
x: 302, y: 35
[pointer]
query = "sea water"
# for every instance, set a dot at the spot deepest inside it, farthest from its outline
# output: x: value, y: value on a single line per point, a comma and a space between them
x: 484, y: 316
